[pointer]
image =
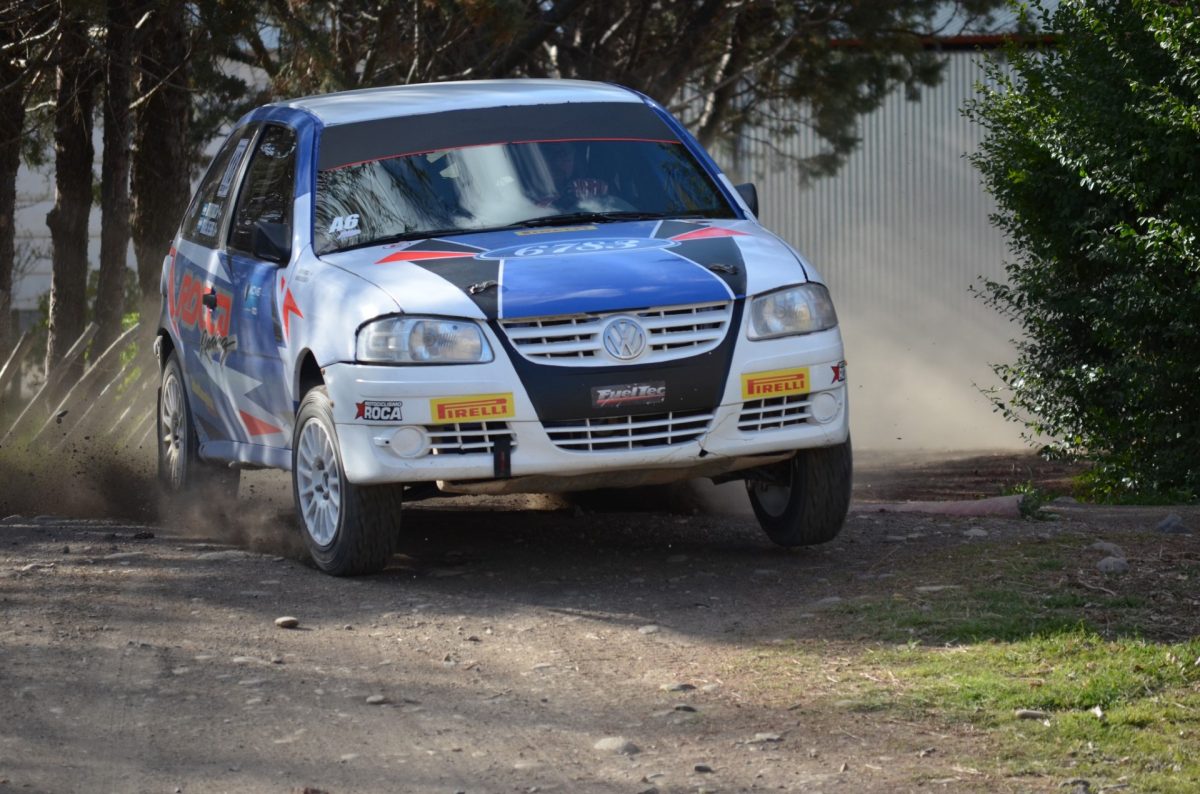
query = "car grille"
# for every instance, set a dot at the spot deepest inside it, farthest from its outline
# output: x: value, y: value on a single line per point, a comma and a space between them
x: 574, y: 340
x: 774, y: 413
x: 629, y: 432
x: 468, y: 438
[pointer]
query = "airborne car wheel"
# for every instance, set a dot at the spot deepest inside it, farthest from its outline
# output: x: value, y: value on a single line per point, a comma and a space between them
x: 180, y: 469
x: 349, y: 529
x: 803, y: 501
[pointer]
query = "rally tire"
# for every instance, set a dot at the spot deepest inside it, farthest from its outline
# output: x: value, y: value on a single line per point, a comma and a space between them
x: 182, y: 474
x: 803, y: 501
x: 349, y: 529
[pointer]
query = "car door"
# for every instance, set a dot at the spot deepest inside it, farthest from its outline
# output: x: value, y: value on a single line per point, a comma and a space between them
x: 254, y: 375
x: 200, y: 289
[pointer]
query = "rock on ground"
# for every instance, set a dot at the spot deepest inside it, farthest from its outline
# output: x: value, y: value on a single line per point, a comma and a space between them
x: 1111, y: 549
x: 616, y: 744
x: 1113, y: 565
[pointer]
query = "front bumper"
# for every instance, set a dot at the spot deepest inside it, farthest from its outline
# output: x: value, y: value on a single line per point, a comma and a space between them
x: 413, y: 441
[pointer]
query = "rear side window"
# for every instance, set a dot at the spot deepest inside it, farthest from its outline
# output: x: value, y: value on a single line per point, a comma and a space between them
x: 214, y: 196
x: 269, y: 186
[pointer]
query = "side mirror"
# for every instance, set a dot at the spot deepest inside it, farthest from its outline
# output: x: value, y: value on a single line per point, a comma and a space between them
x: 271, y: 242
x: 749, y: 194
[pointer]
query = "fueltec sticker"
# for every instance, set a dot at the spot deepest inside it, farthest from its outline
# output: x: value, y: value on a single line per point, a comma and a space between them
x: 775, y: 383
x: 379, y: 411
x: 476, y: 408
x: 629, y: 394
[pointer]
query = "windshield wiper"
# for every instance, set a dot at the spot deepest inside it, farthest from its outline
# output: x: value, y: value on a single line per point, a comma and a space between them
x: 416, y: 234
x: 620, y: 215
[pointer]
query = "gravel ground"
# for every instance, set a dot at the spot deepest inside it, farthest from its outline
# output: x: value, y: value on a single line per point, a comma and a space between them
x: 507, y: 648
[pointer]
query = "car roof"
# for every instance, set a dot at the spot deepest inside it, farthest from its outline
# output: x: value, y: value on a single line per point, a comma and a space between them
x: 414, y: 100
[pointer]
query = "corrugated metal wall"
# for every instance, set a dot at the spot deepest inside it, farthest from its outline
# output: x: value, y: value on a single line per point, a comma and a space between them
x: 901, y: 233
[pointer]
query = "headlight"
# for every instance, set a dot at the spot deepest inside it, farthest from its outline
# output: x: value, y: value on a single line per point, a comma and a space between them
x: 795, y: 310
x: 422, y: 340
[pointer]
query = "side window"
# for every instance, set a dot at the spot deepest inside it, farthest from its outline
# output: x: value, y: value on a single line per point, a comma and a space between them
x: 269, y: 186
x: 202, y: 223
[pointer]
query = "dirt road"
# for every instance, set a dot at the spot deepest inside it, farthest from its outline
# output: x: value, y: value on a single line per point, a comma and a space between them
x: 504, y: 650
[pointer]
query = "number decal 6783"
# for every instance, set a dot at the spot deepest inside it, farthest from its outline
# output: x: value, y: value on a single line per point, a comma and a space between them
x: 569, y: 247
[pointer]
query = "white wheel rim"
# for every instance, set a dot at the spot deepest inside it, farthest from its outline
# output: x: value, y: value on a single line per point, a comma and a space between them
x: 773, y: 499
x: 173, y: 438
x: 318, y: 483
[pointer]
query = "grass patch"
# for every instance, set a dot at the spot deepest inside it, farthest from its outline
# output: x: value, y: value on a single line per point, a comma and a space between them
x: 964, y: 615
x: 1071, y: 671
x: 1148, y: 695
x: 983, y: 615
x: 1018, y: 627
x: 1007, y: 593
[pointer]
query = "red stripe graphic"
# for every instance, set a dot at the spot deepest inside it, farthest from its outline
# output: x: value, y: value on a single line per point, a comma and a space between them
x: 706, y: 233
x: 289, y: 308
x: 418, y: 256
x: 256, y: 426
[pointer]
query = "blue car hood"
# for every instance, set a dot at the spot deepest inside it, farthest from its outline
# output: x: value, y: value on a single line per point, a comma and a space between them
x: 580, y: 269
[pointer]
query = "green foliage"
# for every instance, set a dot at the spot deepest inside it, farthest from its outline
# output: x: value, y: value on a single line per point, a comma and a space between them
x: 1033, y: 499
x: 721, y: 67
x: 1092, y: 153
x: 41, y: 327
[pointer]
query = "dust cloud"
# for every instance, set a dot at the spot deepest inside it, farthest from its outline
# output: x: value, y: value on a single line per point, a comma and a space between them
x: 914, y: 384
x: 915, y: 374
x: 98, y: 478
x: 913, y: 392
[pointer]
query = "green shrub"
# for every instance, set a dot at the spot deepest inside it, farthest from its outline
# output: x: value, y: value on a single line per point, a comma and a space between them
x: 1092, y: 152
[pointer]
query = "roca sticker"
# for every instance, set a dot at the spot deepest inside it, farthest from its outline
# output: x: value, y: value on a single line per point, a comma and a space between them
x: 379, y: 410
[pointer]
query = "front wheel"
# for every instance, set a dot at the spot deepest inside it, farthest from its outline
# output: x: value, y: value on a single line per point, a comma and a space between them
x: 803, y: 501
x: 349, y: 529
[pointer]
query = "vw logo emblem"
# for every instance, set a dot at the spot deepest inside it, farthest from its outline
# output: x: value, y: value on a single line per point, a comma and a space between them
x: 624, y: 339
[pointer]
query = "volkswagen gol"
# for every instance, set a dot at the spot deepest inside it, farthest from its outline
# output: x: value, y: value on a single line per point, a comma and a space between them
x: 486, y: 288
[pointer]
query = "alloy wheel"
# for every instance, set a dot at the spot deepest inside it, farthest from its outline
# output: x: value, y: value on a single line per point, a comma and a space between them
x: 318, y: 482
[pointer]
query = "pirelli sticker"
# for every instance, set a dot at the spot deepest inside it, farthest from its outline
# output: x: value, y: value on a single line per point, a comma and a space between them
x: 476, y: 408
x: 775, y: 383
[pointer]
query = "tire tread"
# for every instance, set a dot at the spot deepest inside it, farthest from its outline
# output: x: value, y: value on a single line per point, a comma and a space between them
x: 374, y: 510
x: 367, y: 532
x: 821, y: 483
x: 203, y: 480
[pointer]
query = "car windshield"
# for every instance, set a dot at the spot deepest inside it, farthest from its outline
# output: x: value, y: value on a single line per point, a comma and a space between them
x: 496, y: 185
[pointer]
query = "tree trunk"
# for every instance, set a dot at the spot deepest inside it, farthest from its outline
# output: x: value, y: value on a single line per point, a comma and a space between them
x: 114, y: 175
x: 12, y: 121
x: 161, y: 185
x: 73, y: 154
x: 725, y: 81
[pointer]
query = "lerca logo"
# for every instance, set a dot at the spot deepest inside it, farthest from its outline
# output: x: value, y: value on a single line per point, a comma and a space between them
x: 775, y: 383
x: 376, y: 411
x: 477, y: 408
x: 186, y: 305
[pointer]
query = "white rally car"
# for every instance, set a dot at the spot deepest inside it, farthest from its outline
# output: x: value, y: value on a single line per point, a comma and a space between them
x: 487, y: 288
